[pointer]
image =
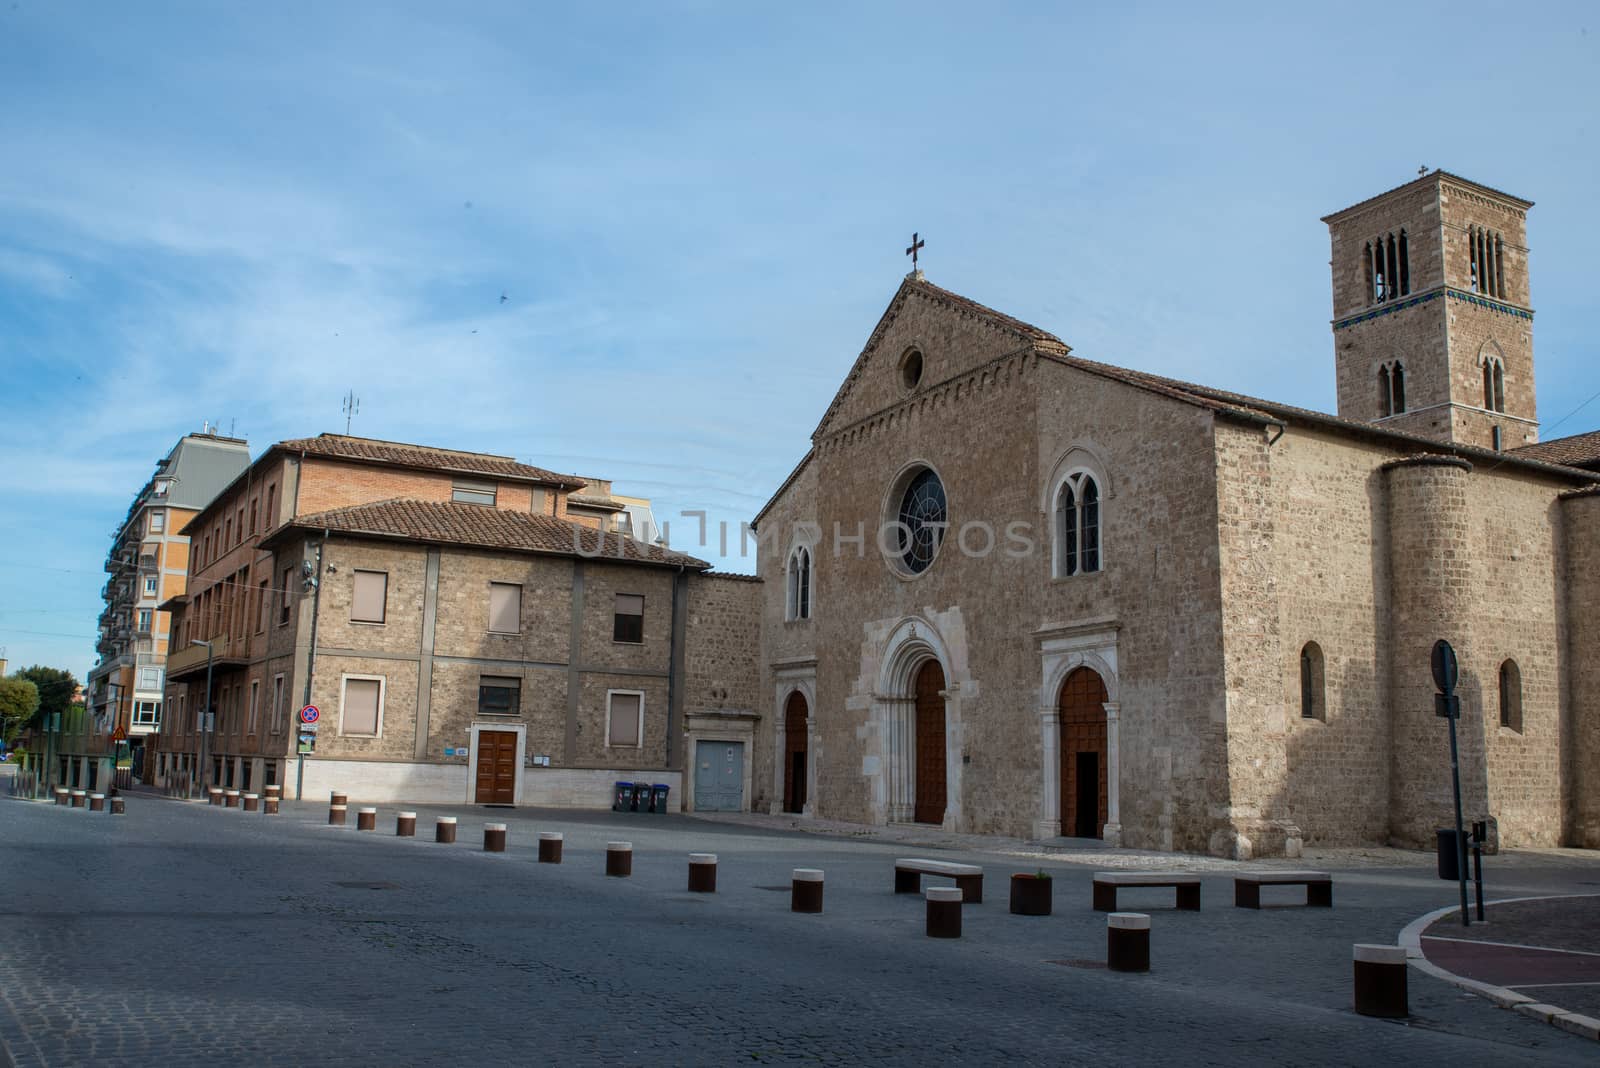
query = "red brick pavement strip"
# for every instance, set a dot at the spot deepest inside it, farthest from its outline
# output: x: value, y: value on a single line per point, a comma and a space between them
x: 1529, y: 948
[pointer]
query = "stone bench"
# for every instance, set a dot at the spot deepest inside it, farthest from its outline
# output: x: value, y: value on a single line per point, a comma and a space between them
x: 1107, y: 883
x: 908, y: 875
x: 1318, y: 884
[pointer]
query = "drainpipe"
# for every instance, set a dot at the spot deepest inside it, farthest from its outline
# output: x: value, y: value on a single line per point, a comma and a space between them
x: 311, y: 662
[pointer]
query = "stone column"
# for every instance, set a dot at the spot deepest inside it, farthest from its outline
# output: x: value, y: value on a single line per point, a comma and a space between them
x: 1112, y: 832
x: 902, y: 771
x: 1048, y: 825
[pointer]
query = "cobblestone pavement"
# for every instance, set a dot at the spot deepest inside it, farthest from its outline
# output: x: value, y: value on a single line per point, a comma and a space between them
x: 183, y: 934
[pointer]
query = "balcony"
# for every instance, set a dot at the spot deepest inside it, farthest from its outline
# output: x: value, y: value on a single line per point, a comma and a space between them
x: 191, y: 660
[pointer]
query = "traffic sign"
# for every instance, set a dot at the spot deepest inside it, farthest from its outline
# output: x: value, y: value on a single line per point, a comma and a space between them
x: 310, y: 714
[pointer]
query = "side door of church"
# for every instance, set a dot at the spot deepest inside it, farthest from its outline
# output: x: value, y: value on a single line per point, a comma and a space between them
x: 719, y: 777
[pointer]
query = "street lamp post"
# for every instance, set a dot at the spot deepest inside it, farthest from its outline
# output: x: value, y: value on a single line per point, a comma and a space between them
x: 201, y: 754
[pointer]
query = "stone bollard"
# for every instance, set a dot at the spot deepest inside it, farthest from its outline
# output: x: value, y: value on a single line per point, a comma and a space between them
x: 805, y: 890
x: 118, y: 807
x: 63, y: 795
x: 494, y: 838
x: 366, y: 819
x: 230, y: 799
x: 274, y: 790
x: 215, y: 795
x: 619, y: 859
x: 270, y: 805
x: 336, y: 798
x: 80, y: 798
x: 405, y: 825
x: 252, y: 802
x: 97, y: 802
x: 1380, y: 981
x: 336, y: 815
x: 1128, y: 942
x: 550, y: 847
x: 444, y: 829
x: 703, y: 873
x: 944, y: 911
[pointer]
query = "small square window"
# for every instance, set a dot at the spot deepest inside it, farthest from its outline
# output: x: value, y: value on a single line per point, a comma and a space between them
x: 499, y: 696
x: 473, y: 493
x: 158, y: 522
x: 628, y: 622
x: 150, y: 582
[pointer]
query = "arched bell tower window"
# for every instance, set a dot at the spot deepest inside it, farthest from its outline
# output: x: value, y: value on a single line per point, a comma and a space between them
x: 1386, y: 267
x: 1392, y: 389
x: 1078, y: 525
x: 1494, y: 384
x: 1313, y: 683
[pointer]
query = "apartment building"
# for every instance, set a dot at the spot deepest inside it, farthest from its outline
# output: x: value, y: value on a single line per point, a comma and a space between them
x: 147, y: 565
x: 467, y: 630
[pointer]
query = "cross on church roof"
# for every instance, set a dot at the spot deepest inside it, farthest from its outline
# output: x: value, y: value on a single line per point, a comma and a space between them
x: 912, y: 251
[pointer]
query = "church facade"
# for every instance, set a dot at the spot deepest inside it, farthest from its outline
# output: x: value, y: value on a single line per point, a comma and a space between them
x: 1009, y: 590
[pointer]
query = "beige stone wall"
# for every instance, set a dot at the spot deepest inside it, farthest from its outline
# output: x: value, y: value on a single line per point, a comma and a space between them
x: 722, y: 657
x: 789, y: 642
x: 1581, y: 537
x: 462, y: 626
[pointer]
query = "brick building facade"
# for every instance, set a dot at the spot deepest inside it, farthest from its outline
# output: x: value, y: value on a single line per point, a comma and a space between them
x: 1009, y: 590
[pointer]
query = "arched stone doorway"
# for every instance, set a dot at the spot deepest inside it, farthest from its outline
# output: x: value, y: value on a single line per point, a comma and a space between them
x: 928, y: 693
x: 1084, y: 785
x: 795, y: 752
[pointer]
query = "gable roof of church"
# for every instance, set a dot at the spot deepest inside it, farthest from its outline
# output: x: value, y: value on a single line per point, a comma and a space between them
x: 1578, y: 450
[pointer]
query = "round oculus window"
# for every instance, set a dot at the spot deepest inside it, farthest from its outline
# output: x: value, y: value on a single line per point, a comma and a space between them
x: 911, y: 368
x: 922, y: 521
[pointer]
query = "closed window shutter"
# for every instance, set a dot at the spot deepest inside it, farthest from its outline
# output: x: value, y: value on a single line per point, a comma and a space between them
x: 371, y: 594
x: 505, y: 607
x: 628, y: 622
x: 624, y: 719
x: 361, y: 706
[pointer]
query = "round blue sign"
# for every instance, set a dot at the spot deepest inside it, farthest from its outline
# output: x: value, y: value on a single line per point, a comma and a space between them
x: 310, y: 714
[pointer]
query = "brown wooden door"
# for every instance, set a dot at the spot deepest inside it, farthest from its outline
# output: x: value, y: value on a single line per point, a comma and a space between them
x: 497, y: 768
x: 794, y: 729
x: 930, y: 800
x: 1083, y: 754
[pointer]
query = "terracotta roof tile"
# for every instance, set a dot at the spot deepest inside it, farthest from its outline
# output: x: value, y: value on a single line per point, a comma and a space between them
x: 371, y: 450
x: 488, y: 528
x: 1579, y: 450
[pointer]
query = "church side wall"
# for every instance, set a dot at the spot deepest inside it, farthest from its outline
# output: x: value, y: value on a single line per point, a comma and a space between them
x: 785, y: 643
x: 1581, y: 535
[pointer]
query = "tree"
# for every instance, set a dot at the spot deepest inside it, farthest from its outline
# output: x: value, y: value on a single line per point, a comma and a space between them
x: 56, y: 687
x: 19, y: 700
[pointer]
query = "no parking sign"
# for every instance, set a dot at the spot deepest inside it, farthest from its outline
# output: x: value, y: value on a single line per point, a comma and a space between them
x: 310, y: 714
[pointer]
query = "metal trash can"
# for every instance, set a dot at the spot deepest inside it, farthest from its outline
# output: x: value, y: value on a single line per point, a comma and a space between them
x: 624, y: 796
x: 658, y: 797
x: 641, y: 797
x: 1449, y: 854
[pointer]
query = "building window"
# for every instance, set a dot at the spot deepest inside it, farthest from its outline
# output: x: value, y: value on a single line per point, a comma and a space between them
x: 284, y: 597
x: 473, y: 493
x: 255, y: 705
x: 369, y: 600
x: 499, y: 696
x: 627, y: 623
x: 624, y: 719
x: 1485, y: 265
x: 263, y: 606
x: 227, y: 534
x: 505, y: 608
x: 277, y: 704
x: 1392, y: 389
x: 1386, y: 267
x: 238, y: 530
x: 254, y: 517
x: 799, y: 584
x: 150, y: 679
x: 911, y: 368
x: 147, y: 713
x: 1313, y: 692
x: 1511, y: 696
x: 361, y: 707
x: 150, y: 582
x: 158, y: 522
x: 269, y: 516
x: 921, y: 517
x: 145, y: 618
x: 1494, y: 385
x: 1078, y: 526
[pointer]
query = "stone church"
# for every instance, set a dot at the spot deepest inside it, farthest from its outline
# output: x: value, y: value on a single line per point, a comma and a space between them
x: 1013, y: 591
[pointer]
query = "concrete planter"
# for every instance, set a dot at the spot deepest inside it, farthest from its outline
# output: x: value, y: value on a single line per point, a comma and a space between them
x: 1030, y: 895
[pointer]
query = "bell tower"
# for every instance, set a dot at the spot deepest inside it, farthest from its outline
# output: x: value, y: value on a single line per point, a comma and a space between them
x: 1432, y: 325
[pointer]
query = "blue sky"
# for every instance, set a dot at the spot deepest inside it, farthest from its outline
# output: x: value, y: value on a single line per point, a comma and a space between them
x: 696, y: 212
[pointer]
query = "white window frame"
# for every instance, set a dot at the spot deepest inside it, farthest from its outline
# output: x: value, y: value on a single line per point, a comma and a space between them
x: 383, y: 692
x: 255, y: 705
x: 152, y: 585
x: 158, y: 522
x: 472, y: 491
x: 636, y: 693
x: 155, y: 711
x: 278, y: 692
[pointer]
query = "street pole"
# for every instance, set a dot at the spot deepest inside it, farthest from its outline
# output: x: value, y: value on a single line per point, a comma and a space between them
x: 205, y: 728
x: 1446, y: 673
x: 315, y: 581
x: 1461, y: 838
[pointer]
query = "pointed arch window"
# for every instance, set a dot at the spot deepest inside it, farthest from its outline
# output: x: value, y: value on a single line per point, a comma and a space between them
x: 1494, y: 384
x: 1386, y: 267
x: 1313, y: 683
x: 1078, y: 525
x: 1391, y: 389
x: 799, y: 583
x: 1385, y: 392
x: 1511, y: 696
x: 1398, y: 376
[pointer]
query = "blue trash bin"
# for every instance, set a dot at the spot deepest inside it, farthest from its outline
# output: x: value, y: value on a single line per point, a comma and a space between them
x: 641, y: 797
x: 658, y: 797
x: 624, y: 796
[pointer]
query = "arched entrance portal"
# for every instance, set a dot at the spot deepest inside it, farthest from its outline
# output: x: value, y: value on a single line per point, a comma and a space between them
x: 930, y: 781
x: 1083, y: 754
x: 794, y: 752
